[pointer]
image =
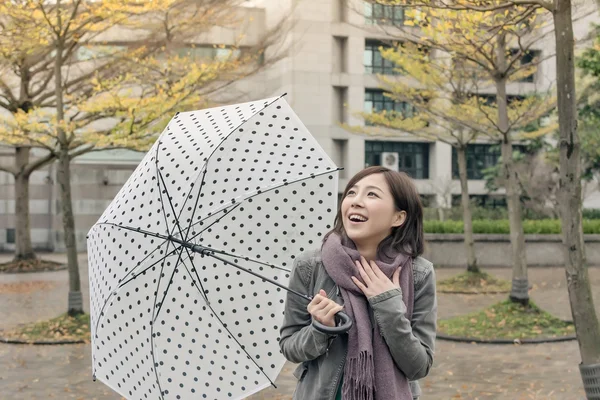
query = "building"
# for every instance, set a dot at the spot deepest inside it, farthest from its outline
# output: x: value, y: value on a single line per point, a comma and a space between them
x: 328, y: 75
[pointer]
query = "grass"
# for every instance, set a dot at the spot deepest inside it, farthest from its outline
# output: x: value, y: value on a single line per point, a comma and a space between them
x: 507, y: 320
x: 473, y: 283
x: 63, y: 327
x: 36, y: 265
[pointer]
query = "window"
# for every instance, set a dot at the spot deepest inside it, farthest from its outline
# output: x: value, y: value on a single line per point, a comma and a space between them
x: 376, y: 101
x: 380, y: 14
x: 218, y: 53
x: 528, y: 57
x: 374, y: 62
x: 97, y: 51
x: 490, y: 99
x: 479, y: 157
x: 10, y: 235
x: 413, y: 157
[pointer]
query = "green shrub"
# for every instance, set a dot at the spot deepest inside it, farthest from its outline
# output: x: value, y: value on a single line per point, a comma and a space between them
x: 497, y: 213
x: 591, y: 213
x: 502, y: 226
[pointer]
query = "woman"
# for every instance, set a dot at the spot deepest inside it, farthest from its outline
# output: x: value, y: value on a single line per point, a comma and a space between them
x: 369, y: 265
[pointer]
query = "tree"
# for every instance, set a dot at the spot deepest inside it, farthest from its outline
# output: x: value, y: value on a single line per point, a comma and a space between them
x: 489, y: 47
x: 434, y: 92
x: 120, y: 96
x: 585, y: 318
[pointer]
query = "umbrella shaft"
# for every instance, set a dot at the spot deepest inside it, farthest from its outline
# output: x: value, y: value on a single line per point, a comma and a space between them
x: 206, y: 251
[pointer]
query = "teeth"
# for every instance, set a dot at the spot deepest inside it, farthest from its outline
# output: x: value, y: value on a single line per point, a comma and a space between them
x: 357, y: 218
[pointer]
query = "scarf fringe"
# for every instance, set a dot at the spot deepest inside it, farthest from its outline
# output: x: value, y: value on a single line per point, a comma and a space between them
x: 359, y: 378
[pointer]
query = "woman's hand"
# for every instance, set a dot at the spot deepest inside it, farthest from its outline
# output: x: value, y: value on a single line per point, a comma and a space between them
x: 323, y: 309
x: 375, y: 281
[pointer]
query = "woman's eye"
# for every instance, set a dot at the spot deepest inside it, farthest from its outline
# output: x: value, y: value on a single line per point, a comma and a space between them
x: 373, y: 193
x: 349, y: 192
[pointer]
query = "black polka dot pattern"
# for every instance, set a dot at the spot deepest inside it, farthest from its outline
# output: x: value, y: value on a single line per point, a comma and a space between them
x: 248, y: 181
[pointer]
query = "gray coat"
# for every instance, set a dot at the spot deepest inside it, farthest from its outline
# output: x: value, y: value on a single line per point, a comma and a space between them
x: 322, y: 356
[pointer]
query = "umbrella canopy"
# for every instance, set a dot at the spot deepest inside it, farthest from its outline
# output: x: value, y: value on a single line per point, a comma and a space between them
x: 245, y: 182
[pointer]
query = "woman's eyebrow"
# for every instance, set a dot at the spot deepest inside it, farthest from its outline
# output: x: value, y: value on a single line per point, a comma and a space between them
x: 368, y: 187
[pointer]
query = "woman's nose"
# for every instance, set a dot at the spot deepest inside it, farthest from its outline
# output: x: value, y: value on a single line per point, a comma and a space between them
x: 357, y: 201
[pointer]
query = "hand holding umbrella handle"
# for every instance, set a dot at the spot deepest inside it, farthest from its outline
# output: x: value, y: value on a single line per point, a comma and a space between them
x: 343, y: 324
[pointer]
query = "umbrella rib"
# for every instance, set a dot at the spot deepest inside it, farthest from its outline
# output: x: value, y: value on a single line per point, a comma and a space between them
x: 167, y: 289
x: 247, y: 259
x: 165, y: 187
x: 201, y: 290
x: 178, y: 226
x: 268, y: 189
x: 196, y: 204
x: 233, y: 337
x: 156, y: 235
x: 154, y: 312
x: 216, y: 147
x: 126, y: 275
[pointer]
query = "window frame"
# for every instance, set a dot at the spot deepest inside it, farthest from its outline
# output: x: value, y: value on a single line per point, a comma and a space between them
x: 418, y: 151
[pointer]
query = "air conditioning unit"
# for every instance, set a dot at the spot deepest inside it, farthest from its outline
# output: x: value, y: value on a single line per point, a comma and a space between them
x: 390, y: 160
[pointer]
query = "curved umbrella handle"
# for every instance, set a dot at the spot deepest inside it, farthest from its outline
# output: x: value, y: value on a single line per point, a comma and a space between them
x: 344, y: 320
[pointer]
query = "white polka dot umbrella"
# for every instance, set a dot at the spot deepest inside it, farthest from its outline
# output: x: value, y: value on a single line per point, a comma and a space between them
x: 189, y: 263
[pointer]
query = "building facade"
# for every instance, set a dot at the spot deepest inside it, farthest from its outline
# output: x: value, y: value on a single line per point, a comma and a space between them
x: 329, y: 76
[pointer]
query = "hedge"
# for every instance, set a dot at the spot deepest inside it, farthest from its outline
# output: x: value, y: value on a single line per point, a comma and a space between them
x: 544, y: 226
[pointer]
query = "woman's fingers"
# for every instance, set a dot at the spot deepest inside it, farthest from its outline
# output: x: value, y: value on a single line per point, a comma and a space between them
x: 323, y: 309
x: 363, y: 273
x: 396, y: 277
x: 368, y: 268
x: 360, y: 285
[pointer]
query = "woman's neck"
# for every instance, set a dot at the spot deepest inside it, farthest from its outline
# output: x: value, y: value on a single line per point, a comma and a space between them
x: 367, y: 251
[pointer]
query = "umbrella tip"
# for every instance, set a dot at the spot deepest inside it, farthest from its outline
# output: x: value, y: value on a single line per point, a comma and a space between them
x: 94, y: 377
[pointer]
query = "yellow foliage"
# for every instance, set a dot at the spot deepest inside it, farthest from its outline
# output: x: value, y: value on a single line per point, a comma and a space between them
x: 444, y: 69
x: 138, y: 86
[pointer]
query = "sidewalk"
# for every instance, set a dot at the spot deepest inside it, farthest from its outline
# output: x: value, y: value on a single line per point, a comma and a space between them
x: 461, y: 371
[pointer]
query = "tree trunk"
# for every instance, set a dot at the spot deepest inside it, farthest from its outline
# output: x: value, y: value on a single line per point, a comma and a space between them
x: 63, y: 177
x: 23, y: 248
x: 520, y: 284
x: 466, y: 206
x: 75, y: 305
x: 578, y: 284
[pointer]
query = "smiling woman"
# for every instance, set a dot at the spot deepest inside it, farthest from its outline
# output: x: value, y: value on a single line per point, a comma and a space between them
x: 369, y: 265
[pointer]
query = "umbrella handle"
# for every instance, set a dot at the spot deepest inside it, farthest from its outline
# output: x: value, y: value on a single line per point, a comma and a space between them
x: 343, y: 325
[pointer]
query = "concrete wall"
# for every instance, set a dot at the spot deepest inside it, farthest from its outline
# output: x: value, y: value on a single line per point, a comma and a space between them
x: 447, y: 250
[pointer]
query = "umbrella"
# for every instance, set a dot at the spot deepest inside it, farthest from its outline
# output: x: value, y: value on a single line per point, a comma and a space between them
x: 189, y: 263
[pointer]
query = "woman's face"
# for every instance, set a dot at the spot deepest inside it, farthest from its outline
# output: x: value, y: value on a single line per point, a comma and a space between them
x: 369, y: 212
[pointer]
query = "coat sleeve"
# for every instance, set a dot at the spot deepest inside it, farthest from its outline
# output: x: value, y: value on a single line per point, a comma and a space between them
x: 411, y: 343
x: 300, y: 341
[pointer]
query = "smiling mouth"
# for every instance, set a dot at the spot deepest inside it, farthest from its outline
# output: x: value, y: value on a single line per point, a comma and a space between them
x: 357, y: 218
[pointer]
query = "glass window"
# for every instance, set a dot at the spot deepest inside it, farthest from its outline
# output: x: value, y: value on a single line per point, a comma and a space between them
x: 376, y: 101
x: 413, y: 157
x: 10, y: 235
x: 374, y: 62
x: 528, y: 57
x: 381, y: 14
x: 479, y: 158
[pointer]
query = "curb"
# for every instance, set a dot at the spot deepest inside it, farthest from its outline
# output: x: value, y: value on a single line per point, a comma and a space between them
x: 473, y: 293
x: 40, y: 342
x: 505, y: 341
x: 61, y: 268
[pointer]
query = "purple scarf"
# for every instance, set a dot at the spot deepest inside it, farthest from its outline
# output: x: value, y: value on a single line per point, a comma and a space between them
x: 370, y: 372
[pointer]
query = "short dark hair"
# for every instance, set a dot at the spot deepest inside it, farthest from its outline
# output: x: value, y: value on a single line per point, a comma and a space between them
x: 407, y: 238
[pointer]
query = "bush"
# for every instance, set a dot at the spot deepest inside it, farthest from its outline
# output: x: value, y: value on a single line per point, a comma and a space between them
x: 498, y: 213
x: 591, y: 213
x: 543, y: 226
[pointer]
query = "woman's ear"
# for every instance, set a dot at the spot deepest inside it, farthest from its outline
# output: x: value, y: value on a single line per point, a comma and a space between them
x: 399, y: 218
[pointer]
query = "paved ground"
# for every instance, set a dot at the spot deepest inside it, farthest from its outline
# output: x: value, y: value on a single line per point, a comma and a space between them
x: 461, y: 371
